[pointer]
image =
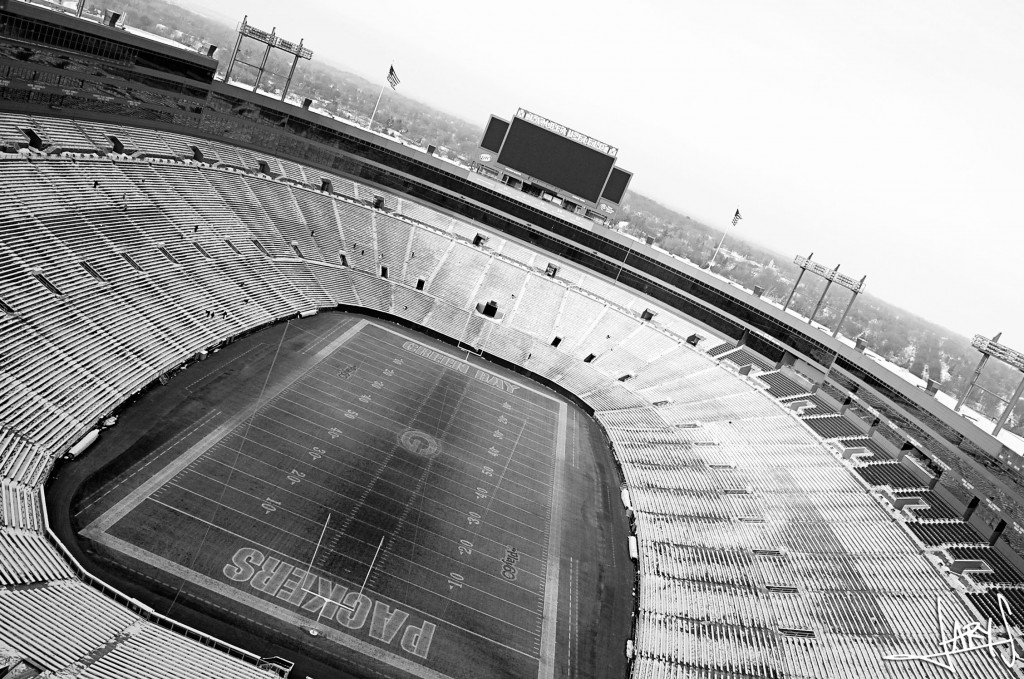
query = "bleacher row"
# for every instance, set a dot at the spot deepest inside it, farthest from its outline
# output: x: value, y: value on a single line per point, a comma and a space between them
x: 760, y: 553
x: 933, y: 522
x: 930, y: 519
x: 116, y: 268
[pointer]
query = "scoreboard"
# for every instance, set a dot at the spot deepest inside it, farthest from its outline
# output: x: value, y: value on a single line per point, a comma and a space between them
x: 557, y: 160
x: 540, y: 152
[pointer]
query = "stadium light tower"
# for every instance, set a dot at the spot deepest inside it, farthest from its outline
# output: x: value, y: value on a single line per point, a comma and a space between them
x: 831, y: 276
x: 272, y: 41
x: 991, y: 348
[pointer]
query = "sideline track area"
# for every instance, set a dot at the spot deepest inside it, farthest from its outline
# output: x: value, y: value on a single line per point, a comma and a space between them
x: 449, y: 468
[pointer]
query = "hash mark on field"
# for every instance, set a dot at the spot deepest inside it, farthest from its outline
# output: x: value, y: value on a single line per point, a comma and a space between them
x: 436, y: 501
x: 429, y: 368
x: 466, y: 454
x: 333, y: 402
x: 543, y: 492
x: 380, y: 568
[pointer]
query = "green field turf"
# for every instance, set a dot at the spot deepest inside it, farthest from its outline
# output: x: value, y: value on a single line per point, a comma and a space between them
x: 405, y: 504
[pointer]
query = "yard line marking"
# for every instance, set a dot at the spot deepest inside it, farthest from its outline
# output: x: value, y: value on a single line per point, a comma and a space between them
x: 290, y: 617
x: 133, y: 499
x: 401, y: 351
x: 323, y: 337
x: 230, y: 508
x: 303, y: 498
x: 466, y: 425
x: 449, y: 443
x: 332, y: 459
x: 338, y: 401
x: 412, y: 380
x: 453, y: 470
x: 352, y: 450
x: 335, y: 391
x: 441, y: 489
x: 439, y: 536
x: 336, y: 576
x: 263, y: 391
x: 165, y: 448
x: 374, y: 418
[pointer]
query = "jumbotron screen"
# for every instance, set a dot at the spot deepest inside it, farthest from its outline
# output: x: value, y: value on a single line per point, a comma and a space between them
x: 554, y: 159
x: 616, y: 186
x: 494, y: 134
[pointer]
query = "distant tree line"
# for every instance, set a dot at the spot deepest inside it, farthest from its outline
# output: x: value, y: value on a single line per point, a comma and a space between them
x: 924, y: 348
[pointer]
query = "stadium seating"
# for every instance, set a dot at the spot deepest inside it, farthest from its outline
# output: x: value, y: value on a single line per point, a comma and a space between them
x: 761, y: 551
x: 26, y: 557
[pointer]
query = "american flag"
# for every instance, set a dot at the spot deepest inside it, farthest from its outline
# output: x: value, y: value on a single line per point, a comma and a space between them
x: 736, y: 217
x: 393, y: 79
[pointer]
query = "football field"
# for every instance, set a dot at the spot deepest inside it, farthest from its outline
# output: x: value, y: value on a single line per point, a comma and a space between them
x: 398, y: 501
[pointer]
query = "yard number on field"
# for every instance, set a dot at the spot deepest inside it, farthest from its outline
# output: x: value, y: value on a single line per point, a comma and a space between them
x: 454, y: 580
x: 270, y: 505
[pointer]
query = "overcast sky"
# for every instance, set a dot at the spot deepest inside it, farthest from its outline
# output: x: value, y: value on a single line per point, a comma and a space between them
x: 883, y: 136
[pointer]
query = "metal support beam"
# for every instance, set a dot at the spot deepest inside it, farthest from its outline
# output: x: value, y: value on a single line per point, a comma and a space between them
x: 793, y: 291
x: 263, y: 64
x: 234, y: 52
x: 1009, y: 408
x: 848, y: 307
x: 822, y: 299
x: 974, y: 379
x: 291, y: 72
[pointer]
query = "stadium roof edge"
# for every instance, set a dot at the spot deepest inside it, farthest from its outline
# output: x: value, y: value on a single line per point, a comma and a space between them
x: 130, y: 36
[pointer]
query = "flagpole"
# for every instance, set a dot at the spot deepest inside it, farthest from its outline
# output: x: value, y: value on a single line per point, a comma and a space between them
x: 735, y: 219
x: 718, y: 248
x: 377, y: 104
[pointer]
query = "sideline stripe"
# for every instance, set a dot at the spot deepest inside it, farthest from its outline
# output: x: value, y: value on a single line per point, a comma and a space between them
x: 133, y: 499
x: 547, y: 645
